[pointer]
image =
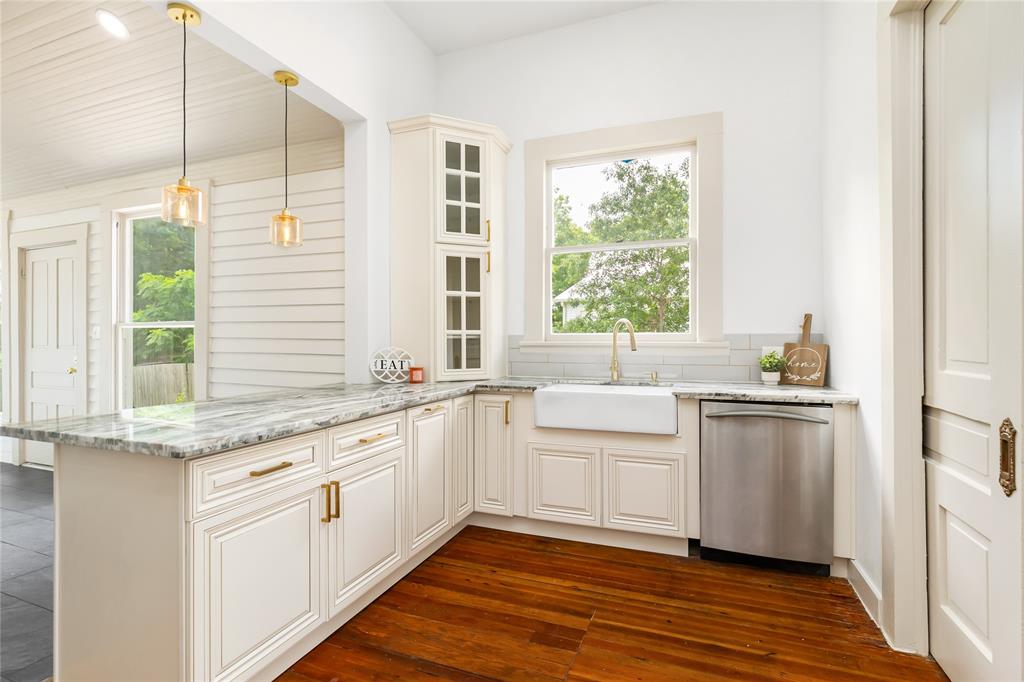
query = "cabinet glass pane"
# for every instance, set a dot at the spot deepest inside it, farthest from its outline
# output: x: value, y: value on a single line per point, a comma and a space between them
x: 472, y: 158
x: 454, y: 313
x: 472, y: 352
x: 472, y: 274
x: 472, y: 313
x: 472, y: 190
x: 472, y: 220
x: 453, y: 187
x: 454, y: 352
x: 453, y: 273
x: 451, y: 155
x: 453, y: 218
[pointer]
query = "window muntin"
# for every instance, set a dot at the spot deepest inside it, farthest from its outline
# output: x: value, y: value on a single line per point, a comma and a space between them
x: 620, y: 243
x: 156, y: 321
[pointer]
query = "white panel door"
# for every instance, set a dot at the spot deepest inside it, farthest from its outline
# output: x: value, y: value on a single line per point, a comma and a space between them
x: 492, y: 467
x: 256, y: 581
x: 53, y: 340
x: 462, y: 456
x: 430, y: 464
x: 644, y: 491
x: 365, y: 532
x: 565, y: 483
x: 974, y: 111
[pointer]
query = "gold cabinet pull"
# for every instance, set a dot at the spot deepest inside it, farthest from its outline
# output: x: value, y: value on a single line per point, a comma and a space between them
x: 372, y: 439
x: 72, y: 370
x: 508, y: 417
x: 269, y: 470
x: 1007, y: 455
x: 336, y: 487
x: 435, y: 408
x: 488, y: 261
x: 488, y: 229
x: 326, y: 518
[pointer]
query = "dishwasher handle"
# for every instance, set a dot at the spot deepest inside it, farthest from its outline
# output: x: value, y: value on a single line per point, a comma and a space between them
x: 771, y: 414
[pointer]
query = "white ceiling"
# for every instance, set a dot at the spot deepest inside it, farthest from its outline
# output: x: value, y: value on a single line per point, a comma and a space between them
x: 449, y: 26
x: 79, y: 105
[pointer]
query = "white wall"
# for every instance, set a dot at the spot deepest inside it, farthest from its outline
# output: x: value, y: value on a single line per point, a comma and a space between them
x: 758, y: 63
x: 362, y: 64
x: 851, y: 248
x: 277, y: 316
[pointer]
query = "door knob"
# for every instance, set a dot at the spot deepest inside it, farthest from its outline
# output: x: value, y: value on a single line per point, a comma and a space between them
x: 72, y: 370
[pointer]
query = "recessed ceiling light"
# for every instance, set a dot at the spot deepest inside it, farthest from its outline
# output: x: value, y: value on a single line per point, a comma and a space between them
x: 109, y: 21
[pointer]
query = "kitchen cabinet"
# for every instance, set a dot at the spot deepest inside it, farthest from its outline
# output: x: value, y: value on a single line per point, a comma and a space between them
x: 462, y: 457
x: 256, y: 580
x: 448, y: 246
x: 564, y: 483
x: 365, y: 534
x: 430, y: 478
x: 643, y: 491
x: 493, y: 463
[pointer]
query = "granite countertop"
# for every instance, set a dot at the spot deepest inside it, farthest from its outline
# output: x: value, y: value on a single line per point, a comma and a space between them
x: 189, y: 430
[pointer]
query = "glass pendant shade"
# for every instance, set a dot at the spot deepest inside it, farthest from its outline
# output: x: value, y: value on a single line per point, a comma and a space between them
x: 285, y: 229
x: 183, y: 204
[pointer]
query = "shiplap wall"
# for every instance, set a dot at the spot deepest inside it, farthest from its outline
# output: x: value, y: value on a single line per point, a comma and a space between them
x: 277, y: 316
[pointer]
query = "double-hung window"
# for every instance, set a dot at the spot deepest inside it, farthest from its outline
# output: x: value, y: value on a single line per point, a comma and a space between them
x: 155, y: 326
x: 625, y: 223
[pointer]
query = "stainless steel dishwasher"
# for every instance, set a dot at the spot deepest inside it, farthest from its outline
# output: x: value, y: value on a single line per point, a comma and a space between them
x: 766, y: 480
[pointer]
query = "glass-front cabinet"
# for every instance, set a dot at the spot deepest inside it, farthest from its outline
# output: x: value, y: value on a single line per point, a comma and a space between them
x: 464, y: 171
x: 447, y: 246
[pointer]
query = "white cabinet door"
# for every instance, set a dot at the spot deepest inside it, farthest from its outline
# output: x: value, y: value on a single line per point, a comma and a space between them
x: 365, y: 533
x: 564, y: 483
x: 430, y: 463
x: 463, y: 186
x: 256, y: 581
x: 644, y: 491
x: 462, y: 456
x: 493, y: 456
x: 462, y: 312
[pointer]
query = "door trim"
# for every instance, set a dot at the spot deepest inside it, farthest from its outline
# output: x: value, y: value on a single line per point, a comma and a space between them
x: 903, y: 608
x: 19, y: 243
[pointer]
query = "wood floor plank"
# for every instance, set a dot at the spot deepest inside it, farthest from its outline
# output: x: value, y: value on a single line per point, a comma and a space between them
x: 497, y: 605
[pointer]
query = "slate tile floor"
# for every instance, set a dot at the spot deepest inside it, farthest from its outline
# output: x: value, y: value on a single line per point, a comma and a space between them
x: 26, y: 583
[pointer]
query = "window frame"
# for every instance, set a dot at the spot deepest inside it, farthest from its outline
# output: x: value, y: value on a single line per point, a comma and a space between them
x: 702, y: 136
x: 123, y: 300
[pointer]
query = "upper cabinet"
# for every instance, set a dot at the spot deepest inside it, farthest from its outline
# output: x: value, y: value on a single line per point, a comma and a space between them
x: 448, y: 246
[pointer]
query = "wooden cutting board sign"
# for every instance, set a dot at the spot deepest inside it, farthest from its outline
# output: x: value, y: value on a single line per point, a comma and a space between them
x: 805, y: 361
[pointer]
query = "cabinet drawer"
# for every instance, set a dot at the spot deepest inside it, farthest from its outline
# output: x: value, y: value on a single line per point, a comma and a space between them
x: 351, y: 443
x: 224, y: 480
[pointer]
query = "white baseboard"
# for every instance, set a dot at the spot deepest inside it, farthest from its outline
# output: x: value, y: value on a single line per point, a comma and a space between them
x: 599, y: 536
x: 868, y: 593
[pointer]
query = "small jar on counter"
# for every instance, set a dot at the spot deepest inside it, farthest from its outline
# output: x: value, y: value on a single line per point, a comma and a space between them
x: 415, y: 375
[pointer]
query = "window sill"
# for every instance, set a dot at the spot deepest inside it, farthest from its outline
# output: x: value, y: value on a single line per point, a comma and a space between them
x: 684, y: 348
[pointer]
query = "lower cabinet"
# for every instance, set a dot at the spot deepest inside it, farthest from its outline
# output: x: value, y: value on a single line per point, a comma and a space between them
x: 564, y: 483
x: 644, y: 491
x: 430, y: 465
x: 256, y: 585
x: 493, y: 454
x: 365, y: 534
x: 462, y: 456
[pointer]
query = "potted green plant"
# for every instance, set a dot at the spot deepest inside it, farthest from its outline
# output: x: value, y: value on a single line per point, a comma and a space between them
x: 771, y: 365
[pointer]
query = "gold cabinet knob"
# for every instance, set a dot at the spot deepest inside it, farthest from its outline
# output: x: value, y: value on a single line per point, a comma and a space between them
x: 72, y: 370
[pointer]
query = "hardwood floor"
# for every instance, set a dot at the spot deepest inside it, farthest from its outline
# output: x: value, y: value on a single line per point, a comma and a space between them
x: 497, y: 605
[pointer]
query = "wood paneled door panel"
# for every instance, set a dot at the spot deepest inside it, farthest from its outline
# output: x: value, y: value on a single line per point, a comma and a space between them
x: 462, y: 456
x: 644, y: 491
x: 492, y: 466
x: 564, y: 483
x: 429, y: 474
x: 974, y: 311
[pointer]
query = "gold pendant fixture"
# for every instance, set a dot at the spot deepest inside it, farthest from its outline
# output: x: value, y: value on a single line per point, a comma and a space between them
x: 285, y: 228
x: 183, y: 204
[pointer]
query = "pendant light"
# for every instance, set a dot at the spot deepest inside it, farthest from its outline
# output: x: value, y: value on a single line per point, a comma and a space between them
x: 285, y: 228
x: 182, y: 203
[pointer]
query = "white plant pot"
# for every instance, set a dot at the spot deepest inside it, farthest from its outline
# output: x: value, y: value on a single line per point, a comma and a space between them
x: 770, y: 378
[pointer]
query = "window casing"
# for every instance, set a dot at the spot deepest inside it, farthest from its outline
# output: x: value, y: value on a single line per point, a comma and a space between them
x: 698, y: 246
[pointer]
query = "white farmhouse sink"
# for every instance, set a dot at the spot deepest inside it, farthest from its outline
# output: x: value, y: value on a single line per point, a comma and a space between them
x: 602, y: 407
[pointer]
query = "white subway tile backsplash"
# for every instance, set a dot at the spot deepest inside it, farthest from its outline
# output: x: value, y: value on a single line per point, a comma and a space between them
x: 536, y: 369
x: 744, y: 357
x: 716, y: 373
x: 738, y: 341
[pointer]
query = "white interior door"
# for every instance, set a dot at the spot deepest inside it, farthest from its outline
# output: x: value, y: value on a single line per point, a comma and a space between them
x: 974, y: 112
x: 53, y: 340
